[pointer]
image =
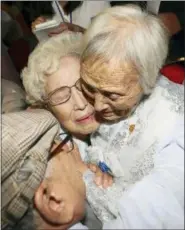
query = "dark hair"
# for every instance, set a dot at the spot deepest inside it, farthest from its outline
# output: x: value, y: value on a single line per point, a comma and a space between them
x: 71, y: 6
x: 142, y: 4
x: 9, y: 3
x: 32, y: 10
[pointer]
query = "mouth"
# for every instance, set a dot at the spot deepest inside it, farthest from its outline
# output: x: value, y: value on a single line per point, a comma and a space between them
x: 107, y: 114
x: 86, y: 119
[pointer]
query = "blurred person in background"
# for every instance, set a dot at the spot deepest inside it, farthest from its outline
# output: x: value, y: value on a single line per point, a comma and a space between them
x: 74, y: 15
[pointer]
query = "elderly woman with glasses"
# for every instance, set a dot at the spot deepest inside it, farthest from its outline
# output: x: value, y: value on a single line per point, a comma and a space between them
x: 51, y: 80
x: 141, y: 138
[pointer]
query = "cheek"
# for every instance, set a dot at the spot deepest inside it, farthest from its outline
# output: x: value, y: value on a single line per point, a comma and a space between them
x: 63, y: 113
x: 125, y: 103
x: 128, y: 101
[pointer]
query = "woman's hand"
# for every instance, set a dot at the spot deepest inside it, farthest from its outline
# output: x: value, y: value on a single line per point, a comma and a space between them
x: 60, y: 29
x: 66, y: 27
x: 101, y: 178
x: 38, y: 21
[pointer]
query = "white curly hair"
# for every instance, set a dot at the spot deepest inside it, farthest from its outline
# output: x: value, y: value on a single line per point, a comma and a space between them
x: 45, y: 60
x: 128, y: 34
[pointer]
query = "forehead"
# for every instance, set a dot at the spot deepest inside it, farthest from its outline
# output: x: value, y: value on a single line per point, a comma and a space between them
x: 110, y: 74
x: 67, y: 74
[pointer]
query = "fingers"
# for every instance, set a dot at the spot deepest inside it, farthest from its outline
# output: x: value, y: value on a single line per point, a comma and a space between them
x: 107, y: 180
x: 92, y: 167
x: 61, y: 28
x: 101, y: 178
x: 38, y: 21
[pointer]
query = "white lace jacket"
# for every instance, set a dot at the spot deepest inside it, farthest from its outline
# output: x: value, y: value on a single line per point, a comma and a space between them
x: 132, y: 156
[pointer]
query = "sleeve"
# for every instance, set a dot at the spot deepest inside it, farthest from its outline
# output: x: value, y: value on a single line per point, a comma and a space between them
x: 78, y: 226
x: 157, y: 201
x: 103, y: 201
x: 13, y: 97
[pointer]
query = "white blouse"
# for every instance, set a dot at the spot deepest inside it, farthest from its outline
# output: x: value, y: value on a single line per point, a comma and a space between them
x: 148, y: 165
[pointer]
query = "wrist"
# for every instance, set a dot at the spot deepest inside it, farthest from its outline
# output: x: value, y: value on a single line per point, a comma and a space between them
x: 80, y: 29
x: 82, y: 168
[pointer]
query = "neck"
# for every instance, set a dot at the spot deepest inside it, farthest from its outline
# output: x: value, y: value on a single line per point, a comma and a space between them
x: 62, y: 3
x: 81, y: 137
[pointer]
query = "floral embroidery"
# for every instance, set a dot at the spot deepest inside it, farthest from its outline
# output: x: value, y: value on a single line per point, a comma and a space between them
x: 144, y: 164
x: 99, y: 198
x: 175, y: 93
x: 128, y: 148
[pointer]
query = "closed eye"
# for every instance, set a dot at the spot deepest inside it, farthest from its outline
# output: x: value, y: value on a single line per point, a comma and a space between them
x: 87, y: 89
x: 112, y: 96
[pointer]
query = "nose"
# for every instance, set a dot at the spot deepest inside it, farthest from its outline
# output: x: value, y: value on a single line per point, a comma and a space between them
x: 80, y: 101
x: 99, y: 103
x: 54, y: 197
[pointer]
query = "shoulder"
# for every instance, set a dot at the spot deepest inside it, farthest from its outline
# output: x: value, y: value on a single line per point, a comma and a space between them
x: 94, y: 7
x: 174, y: 137
x: 170, y: 94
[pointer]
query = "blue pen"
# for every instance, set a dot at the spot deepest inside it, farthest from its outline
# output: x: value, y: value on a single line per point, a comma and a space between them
x: 104, y: 168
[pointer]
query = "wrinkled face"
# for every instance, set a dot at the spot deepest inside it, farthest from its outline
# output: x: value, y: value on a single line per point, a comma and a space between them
x: 113, y: 91
x: 76, y: 115
x: 60, y: 199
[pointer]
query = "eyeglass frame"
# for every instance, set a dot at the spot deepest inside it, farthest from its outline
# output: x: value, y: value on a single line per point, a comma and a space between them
x: 59, y: 148
x: 48, y: 101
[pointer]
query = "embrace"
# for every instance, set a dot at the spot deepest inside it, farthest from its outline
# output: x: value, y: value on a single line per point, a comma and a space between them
x: 120, y: 114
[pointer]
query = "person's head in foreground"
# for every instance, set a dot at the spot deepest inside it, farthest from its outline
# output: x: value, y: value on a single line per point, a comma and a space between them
x: 62, y: 197
x: 51, y: 79
x: 124, y: 49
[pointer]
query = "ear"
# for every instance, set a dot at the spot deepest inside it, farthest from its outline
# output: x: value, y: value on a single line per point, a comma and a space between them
x: 38, y: 198
x: 48, y: 202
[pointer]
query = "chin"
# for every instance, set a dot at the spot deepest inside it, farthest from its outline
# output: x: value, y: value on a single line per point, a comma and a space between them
x: 88, y: 129
x: 111, y: 118
x: 115, y: 117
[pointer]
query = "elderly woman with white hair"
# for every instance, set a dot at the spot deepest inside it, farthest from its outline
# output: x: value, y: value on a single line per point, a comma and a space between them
x: 51, y: 81
x: 141, y: 138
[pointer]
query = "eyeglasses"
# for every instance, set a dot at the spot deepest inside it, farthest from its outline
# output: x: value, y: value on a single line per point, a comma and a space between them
x: 66, y: 139
x: 87, y: 89
x: 62, y: 94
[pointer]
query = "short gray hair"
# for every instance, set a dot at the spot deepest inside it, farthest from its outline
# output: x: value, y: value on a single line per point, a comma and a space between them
x: 128, y: 34
x: 45, y: 60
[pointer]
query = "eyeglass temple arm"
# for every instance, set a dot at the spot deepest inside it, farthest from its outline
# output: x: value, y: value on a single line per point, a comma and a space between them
x: 59, y: 147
